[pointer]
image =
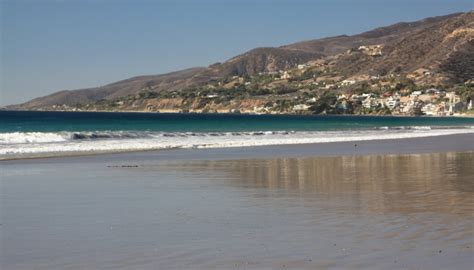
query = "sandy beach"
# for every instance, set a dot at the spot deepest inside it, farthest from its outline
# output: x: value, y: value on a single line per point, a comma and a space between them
x: 395, y: 204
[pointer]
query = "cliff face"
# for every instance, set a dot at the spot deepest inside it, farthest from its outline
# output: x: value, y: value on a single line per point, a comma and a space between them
x: 442, y: 44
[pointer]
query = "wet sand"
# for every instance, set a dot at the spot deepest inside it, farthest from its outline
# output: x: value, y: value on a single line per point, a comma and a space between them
x: 280, y: 207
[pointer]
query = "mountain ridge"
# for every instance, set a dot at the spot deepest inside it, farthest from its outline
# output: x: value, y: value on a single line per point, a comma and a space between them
x: 406, y: 46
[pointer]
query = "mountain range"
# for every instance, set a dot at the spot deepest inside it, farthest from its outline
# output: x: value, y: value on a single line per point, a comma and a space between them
x: 443, y: 45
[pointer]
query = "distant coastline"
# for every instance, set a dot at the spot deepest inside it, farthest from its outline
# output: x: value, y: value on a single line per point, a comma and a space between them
x: 467, y: 115
x: 372, y: 73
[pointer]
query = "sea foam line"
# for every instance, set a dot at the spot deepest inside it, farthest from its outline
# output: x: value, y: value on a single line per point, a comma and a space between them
x: 64, y: 136
x: 218, y: 140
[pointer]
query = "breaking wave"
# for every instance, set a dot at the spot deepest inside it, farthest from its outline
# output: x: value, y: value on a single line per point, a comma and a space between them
x: 423, y: 127
x: 20, y: 144
x: 31, y: 137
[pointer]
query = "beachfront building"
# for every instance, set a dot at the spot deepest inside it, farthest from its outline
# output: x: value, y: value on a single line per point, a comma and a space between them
x: 392, y: 102
x: 412, y: 107
x: 371, y: 102
x: 430, y: 109
x: 454, y: 103
x: 300, y: 107
x: 343, y: 105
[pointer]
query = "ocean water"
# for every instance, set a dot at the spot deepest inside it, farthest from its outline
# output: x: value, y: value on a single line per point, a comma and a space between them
x: 24, y: 134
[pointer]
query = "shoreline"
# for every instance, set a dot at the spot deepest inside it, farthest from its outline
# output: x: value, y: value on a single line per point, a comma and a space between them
x: 405, y: 146
x: 248, y: 113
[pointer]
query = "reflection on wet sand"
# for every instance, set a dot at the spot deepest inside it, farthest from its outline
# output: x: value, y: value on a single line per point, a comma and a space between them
x: 412, y: 183
x: 403, y: 207
x: 352, y: 212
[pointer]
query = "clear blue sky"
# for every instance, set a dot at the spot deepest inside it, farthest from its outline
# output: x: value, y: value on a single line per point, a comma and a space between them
x: 52, y: 45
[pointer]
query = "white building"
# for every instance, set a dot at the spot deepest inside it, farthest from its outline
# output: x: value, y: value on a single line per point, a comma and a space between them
x: 416, y: 93
x: 408, y: 106
x: 302, y: 66
x: 343, y: 96
x: 300, y: 107
x: 369, y: 102
x: 454, y: 103
x: 285, y: 75
x: 312, y: 100
x: 348, y: 82
x: 430, y: 109
x: 392, y: 102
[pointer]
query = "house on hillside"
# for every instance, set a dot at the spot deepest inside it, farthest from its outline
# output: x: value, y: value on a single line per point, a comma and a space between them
x: 369, y: 102
x: 347, y: 82
x: 302, y: 66
x: 392, y: 102
x: 285, y: 76
x: 300, y: 107
x: 372, y: 50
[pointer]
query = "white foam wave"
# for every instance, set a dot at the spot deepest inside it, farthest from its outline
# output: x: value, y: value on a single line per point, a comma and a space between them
x: 32, y: 137
x: 24, y: 144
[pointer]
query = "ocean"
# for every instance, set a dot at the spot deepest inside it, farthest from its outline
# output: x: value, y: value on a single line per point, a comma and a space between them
x: 26, y: 134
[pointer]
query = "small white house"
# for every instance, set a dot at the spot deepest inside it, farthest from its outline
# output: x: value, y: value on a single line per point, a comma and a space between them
x: 392, y: 102
x: 348, y: 82
x: 300, y: 107
x: 285, y: 75
x: 416, y: 93
x: 302, y: 66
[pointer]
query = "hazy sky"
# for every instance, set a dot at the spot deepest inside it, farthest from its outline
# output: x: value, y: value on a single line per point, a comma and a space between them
x: 50, y: 45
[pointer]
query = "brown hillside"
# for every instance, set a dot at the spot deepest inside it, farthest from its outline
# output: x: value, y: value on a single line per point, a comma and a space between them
x: 443, y: 44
